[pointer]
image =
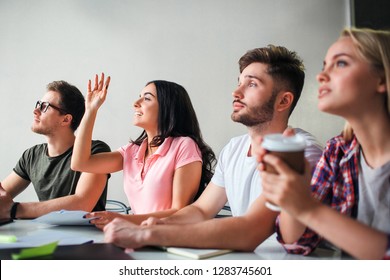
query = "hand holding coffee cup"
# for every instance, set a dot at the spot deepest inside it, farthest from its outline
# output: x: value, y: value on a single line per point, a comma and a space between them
x: 290, y: 149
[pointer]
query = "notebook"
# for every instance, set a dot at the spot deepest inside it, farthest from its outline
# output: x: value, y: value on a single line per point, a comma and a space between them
x: 64, y: 218
x: 194, y: 253
x: 92, y: 251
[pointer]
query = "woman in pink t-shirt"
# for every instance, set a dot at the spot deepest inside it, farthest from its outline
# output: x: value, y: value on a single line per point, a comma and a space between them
x: 166, y: 167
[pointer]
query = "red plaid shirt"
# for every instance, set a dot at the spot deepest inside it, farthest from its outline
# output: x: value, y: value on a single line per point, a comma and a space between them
x: 335, y: 183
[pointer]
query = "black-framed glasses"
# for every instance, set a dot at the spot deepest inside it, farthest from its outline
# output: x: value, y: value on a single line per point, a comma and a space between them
x: 43, y: 106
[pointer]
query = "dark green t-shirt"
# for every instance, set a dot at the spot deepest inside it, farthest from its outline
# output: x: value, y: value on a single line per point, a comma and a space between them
x: 52, y: 177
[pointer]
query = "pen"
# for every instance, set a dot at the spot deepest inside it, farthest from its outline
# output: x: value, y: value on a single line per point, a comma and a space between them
x: 8, y: 238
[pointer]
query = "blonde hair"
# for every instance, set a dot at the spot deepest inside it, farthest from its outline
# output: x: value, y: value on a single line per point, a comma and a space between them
x: 374, y: 47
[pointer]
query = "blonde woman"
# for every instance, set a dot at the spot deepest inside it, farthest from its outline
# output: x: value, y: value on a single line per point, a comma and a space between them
x: 353, y: 174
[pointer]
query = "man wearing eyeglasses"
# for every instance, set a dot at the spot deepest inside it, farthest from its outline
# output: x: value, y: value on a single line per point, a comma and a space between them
x: 47, y: 165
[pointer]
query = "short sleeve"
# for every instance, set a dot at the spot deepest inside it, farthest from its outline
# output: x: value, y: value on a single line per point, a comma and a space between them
x: 187, y: 152
x: 99, y: 147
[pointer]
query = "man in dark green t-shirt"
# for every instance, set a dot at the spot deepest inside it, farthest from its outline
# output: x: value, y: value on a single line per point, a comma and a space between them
x: 47, y: 165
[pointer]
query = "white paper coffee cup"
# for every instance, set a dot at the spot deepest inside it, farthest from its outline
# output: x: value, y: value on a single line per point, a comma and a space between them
x: 291, y: 149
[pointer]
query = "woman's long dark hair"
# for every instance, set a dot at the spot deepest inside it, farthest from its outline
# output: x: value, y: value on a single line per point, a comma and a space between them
x: 176, y: 117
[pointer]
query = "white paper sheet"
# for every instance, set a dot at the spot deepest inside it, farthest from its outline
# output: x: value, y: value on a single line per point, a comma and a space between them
x: 64, y: 218
x: 46, y: 236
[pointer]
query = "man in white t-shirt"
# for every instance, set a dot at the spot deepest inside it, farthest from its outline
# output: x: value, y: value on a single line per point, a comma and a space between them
x: 237, y: 172
x: 270, y: 83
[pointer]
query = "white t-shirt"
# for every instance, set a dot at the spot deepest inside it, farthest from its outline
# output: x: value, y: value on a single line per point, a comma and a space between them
x: 238, y: 174
x: 374, y: 195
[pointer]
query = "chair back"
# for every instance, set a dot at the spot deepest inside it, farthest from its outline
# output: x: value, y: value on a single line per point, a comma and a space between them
x: 117, y: 206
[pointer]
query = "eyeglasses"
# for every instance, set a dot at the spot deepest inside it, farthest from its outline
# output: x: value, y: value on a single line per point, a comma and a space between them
x: 43, y: 106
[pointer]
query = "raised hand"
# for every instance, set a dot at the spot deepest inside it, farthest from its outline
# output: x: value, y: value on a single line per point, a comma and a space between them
x: 97, y: 94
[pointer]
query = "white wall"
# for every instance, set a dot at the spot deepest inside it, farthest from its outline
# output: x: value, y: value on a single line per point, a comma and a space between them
x: 196, y: 43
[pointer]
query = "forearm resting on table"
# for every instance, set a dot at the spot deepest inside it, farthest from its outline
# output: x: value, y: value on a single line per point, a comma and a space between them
x: 139, y: 218
x: 231, y: 233
x: 357, y: 239
x: 188, y: 214
x: 30, y: 210
x: 290, y: 228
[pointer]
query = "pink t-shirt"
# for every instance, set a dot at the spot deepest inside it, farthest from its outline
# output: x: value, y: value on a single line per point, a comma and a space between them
x: 148, y: 185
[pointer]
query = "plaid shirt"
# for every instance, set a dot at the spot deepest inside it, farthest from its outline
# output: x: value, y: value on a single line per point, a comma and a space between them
x: 335, y: 183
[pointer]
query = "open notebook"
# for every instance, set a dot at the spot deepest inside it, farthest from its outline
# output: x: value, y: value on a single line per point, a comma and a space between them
x: 194, y: 253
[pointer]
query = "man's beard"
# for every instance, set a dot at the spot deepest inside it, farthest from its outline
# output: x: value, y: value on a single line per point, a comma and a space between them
x: 42, y: 131
x: 256, y: 115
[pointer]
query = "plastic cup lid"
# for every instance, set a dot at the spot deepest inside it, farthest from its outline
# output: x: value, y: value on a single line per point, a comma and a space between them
x: 279, y: 143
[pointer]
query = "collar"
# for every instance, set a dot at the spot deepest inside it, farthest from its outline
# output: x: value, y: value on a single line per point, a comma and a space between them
x: 350, y: 146
x: 161, y: 150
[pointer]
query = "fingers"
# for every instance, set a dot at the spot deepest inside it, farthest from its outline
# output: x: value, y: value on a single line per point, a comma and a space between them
x: 100, y: 226
x: 280, y: 166
x: 152, y: 221
x: 260, y: 159
x: 260, y: 151
x: 148, y: 222
x: 96, y: 82
x: 308, y: 168
x: 100, y: 87
x: 259, y: 140
x: 289, y: 132
x: 107, y: 83
x: 145, y: 223
x: 100, y: 219
x: 100, y: 223
x: 2, y: 191
x: 122, y: 233
x: 287, y: 189
x: 270, y: 185
x: 108, y: 232
x: 275, y: 188
x: 274, y: 184
x: 115, y: 225
x: 100, y: 84
x: 261, y: 166
x: 97, y: 214
x: 268, y: 181
x: 89, y: 86
x: 104, y: 85
x: 91, y: 215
